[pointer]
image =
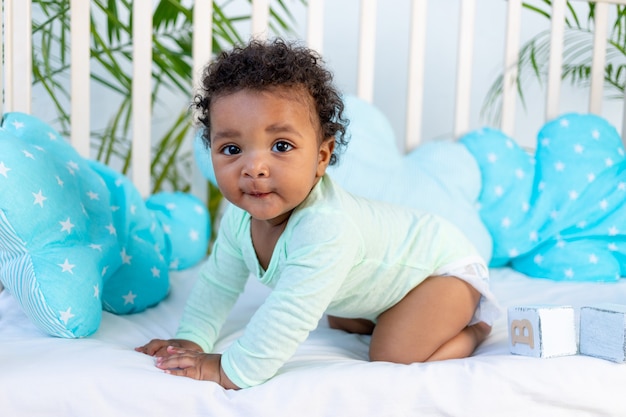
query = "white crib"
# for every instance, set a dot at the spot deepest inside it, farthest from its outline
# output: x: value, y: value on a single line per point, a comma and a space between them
x: 18, y: 40
x: 330, y: 374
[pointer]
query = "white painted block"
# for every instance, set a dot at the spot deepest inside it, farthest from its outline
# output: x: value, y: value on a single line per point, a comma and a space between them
x: 602, y: 331
x: 542, y: 331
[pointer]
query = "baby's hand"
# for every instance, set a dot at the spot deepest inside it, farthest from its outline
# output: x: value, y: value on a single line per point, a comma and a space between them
x: 158, y: 347
x: 194, y: 364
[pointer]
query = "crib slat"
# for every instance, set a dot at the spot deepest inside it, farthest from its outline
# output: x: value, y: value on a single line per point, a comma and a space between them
x: 202, y: 45
x: 367, y: 42
x: 556, y: 59
x: 511, y: 52
x: 599, y: 57
x: 464, y: 67
x: 141, y: 91
x: 80, y: 75
x: 260, y: 18
x: 18, y: 47
x: 315, y: 25
x: 202, y: 48
x: 415, y: 86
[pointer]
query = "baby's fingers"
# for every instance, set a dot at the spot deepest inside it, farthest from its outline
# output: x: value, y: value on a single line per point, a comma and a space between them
x: 183, y: 365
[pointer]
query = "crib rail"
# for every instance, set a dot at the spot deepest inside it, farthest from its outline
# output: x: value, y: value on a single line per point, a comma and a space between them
x: 17, y: 67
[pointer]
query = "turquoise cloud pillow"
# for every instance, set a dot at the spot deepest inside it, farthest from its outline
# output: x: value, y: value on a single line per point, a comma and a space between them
x: 76, y: 236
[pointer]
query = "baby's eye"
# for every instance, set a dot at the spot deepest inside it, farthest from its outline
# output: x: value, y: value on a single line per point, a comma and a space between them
x: 230, y: 150
x: 282, y: 146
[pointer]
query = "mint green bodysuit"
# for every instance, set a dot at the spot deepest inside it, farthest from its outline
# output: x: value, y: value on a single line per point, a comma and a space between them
x: 339, y: 254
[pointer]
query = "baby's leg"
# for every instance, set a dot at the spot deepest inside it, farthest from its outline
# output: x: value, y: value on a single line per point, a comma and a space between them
x: 429, y: 323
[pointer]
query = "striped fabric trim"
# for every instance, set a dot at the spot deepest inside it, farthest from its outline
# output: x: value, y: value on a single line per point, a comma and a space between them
x: 18, y: 274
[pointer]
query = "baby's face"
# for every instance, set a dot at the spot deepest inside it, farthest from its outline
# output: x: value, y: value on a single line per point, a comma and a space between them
x: 266, y: 151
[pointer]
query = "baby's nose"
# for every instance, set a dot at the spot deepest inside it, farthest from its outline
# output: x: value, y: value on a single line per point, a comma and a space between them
x: 256, y: 166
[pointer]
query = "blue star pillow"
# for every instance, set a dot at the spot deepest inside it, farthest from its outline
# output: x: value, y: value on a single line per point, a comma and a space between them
x: 76, y: 236
x: 559, y: 213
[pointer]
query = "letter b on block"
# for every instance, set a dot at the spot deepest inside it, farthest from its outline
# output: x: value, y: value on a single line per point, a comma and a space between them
x: 542, y: 331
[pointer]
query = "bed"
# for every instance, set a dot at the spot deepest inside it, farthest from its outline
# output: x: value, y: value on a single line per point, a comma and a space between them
x: 100, y: 374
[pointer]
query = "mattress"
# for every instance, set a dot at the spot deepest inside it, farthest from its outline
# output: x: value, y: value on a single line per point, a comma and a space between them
x: 328, y: 376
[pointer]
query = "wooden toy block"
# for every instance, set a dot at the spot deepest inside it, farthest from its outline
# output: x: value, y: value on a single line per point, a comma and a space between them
x: 542, y: 331
x: 602, y: 331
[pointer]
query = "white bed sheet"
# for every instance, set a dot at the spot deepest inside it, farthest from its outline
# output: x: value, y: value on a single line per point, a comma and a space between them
x: 329, y: 375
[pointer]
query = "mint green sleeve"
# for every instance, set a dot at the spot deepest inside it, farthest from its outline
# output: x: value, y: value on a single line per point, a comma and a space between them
x: 221, y: 281
x: 315, y: 268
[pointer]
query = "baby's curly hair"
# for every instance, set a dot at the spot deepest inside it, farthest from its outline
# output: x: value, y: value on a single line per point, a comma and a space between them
x: 264, y: 65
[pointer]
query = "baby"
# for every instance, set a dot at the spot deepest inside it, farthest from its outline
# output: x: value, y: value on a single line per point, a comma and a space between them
x: 274, y: 122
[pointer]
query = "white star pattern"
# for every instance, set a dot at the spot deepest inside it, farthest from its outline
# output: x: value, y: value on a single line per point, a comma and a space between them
x: 93, y: 196
x: 595, y: 134
x: 133, y: 209
x: 608, y: 162
x: 564, y: 123
x: 612, y: 247
x: 538, y: 259
x: 591, y: 177
x: 96, y: 247
x: 198, y: 209
x: 593, y: 259
x: 66, y: 226
x: 174, y: 263
x: 167, y: 229
x: 525, y: 207
x: 39, y: 198
x: 569, y: 273
x: 96, y: 291
x: 613, y: 231
x: 52, y: 136
x: 126, y: 258
x: 194, y: 235
x: 73, y: 165
x: 67, y: 266
x: 559, y: 166
x: 156, y: 272
x: 533, y: 236
x: 66, y: 315
x: 492, y: 157
x: 498, y: 190
x: 578, y: 148
x: 621, y: 186
x: 573, y: 195
x: 604, y: 204
x: 581, y: 224
x: 104, y: 270
x: 4, y: 169
x: 129, y: 298
x: 519, y: 173
x: 513, y: 252
x: 28, y: 154
x: 170, y: 206
x: 59, y: 181
x: 17, y: 125
x: 545, y: 142
x: 111, y: 229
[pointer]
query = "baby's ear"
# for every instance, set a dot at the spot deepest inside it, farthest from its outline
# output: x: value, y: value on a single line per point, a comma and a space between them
x: 324, y: 155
